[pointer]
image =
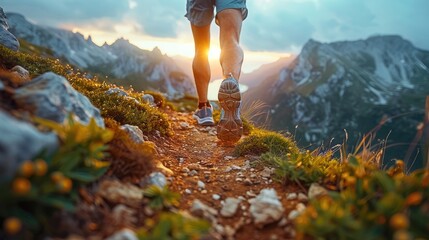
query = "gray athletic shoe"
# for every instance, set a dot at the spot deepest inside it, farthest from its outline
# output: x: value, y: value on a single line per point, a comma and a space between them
x: 204, y: 116
x: 230, y: 127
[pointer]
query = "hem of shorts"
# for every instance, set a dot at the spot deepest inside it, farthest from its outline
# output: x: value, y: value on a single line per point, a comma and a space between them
x: 198, y: 23
x: 244, y: 11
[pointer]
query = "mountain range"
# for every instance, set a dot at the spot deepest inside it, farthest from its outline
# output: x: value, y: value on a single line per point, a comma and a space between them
x: 377, y: 85
x: 326, y: 94
x: 123, y: 62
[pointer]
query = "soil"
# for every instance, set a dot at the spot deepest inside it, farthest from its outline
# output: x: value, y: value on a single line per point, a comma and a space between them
x: 197, y: 148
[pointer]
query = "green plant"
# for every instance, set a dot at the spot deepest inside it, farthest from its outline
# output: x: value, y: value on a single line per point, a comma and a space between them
x: 372, y: 204
x: 174, y: 226
x: 161, y: 198
x: 34, y: 64
x: 124, y: 110
x: 50, y: 182
x: 305, y: 167
x: 170, y: 225
x: 262, y: 141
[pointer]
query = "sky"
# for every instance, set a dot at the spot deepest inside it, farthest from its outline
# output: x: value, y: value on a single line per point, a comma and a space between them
x: 273, y: 29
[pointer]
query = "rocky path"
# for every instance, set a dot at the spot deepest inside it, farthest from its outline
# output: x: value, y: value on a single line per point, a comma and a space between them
x: 241, y: 199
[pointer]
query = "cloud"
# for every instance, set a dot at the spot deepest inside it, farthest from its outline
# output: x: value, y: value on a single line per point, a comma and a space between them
x: 54, y: 13
x: 272, y: 25
x: 159, y: 18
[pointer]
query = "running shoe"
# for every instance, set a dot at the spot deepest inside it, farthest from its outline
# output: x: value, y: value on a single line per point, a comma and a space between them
x: 230, y: 127
x: 204, y: 116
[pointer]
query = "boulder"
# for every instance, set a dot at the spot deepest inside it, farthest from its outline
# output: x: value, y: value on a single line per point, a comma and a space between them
x: 316, y: 191
x: 266, y: 208
x: 21, y: 72
x: 230, y: 207
x: 51, y: 96
x: 155, y: 178
x: 118, y: 91
x: 7, y: 39
x: 117, y: 192
x: 149, y: 99
x: 135, y: 132
x: 20, y: 141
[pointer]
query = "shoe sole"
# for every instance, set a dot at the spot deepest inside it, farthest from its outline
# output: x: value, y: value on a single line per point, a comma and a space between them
x: 230, y: 127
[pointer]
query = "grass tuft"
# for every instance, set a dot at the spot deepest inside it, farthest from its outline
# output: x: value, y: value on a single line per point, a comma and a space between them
x: 261, y: 141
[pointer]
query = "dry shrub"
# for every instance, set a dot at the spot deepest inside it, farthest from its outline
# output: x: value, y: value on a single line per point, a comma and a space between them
x: 129, y: 160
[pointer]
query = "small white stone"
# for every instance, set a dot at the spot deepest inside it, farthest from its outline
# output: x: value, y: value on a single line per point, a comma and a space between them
x: 124, y: 234
x: 283, y: 222
x: 291, y: 196
x: 201, y: 184
x: 187, y: 191
x: 250, y: 193
x: 216, y: 196
x: 241, y: 198
x: 316, y: 190
x: 300, y: 207
x: 293, y: 214
x: 235, y: 167
x: 302, y: 197
x: 184, y: 125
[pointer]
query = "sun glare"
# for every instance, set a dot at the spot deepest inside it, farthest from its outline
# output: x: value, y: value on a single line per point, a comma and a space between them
x: 214, y: 52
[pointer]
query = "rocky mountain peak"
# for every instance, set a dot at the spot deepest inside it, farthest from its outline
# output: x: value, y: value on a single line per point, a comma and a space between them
x: 121, y: 60
x: 351, y: 85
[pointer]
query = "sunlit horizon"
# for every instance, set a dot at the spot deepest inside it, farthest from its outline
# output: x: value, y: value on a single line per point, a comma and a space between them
x: 182, y: 46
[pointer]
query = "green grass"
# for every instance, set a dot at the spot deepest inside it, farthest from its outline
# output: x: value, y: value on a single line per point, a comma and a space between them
x: 122, y: 110
x: 261, y: 141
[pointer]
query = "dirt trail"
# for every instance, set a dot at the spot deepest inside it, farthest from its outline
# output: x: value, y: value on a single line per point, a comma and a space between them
x: 205, y: 169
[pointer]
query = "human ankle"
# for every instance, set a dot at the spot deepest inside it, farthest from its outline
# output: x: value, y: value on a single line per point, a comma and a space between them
x: 204, y: 104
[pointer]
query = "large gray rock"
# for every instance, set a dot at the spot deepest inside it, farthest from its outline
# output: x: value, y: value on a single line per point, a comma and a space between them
x: 199, y: 209
x: 52, y: 97
x: 156, y: 178
x: 135, y: 132
x: 230, y: 207
x: 266, y: 208
x: 21, y: 72
x: 20, y: 141
x: 7, y: 39
x: 118, y: 91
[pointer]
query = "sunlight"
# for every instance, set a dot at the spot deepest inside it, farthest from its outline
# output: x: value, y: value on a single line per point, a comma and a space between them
x: 214, y: 52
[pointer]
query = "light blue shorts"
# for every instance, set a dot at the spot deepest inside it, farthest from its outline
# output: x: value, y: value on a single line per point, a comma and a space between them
x: 200, y: 12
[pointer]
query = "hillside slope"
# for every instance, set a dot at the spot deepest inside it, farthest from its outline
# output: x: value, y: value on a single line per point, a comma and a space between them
x: 123, y: 62
x: 351, y: 85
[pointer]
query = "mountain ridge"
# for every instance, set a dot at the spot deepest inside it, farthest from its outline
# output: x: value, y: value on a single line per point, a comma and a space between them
x: 350, y: 85
x: 123, y: 61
